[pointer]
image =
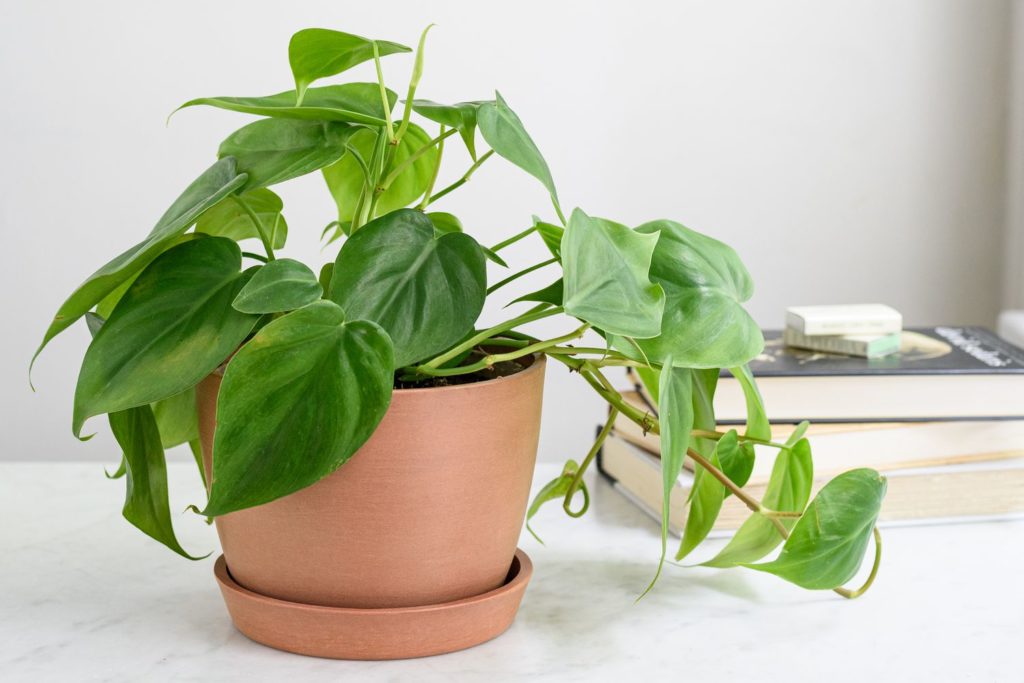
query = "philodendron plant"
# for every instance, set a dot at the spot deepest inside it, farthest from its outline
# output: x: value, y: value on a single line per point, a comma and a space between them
x: 315, y: 354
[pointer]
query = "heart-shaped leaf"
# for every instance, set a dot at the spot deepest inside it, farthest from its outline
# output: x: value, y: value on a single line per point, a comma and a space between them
x: 426, y: 290
x: 505, y: 133
x: 275, y: 150
x: 145, y: 505
x: 788, y: 490
x: 705, y: 324
x: 173, y: 326
x: 309, y: 388
x: 316, y: 53
x: 827, y: 545
x: 460, y: 116
x: 350, y: 102
x: 229, y: 219
x: 345, y: 179
x: 281, y: 285
x: 214, y: 184
x: 606, y: 279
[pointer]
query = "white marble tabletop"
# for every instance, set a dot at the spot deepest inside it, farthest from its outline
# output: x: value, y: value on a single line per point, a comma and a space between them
x: 85, y: 597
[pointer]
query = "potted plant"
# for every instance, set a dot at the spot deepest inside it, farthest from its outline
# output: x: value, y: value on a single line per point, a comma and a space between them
x: 367, y: 448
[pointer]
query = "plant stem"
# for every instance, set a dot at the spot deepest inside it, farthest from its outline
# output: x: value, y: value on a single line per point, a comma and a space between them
x: 715, y: 436
x: 258, y: 225
x: 383, y: 93
x: 515, y: 238
x: 578, y: 477
x: 433, y: 176
x: 558, y: 210
x: 254, y: 256
x: 515, y: 276
x: 463, y: 180
x: 536, y: 313
x: 406, y: 163
x: 852, y: 594
x: 493, y: 359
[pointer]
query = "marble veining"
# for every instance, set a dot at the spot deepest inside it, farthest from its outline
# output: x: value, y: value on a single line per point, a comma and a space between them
x: 84, y: 597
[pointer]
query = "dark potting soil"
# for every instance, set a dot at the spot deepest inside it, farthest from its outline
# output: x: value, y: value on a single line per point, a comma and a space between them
x: 503, y: 369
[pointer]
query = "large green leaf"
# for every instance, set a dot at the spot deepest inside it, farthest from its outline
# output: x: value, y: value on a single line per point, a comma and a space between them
x: 705, y: 324
x: 275, y: 150
x: 281, y: 285
x: 460, y: 116
x: 351, y: 102
x: 345, y: 179
x: 827, y: 545
x: 214, y: 184
x: 173, y: 326
x: 426, y: 290
x: 675, y: 412
x: 145, y: 504
x: 706, y: 497
x: 606, y: 278
x: 296, y: 402
x: 788, y: 490
x: 177, y: 418
x: 229, y: 219
x: 316, y: 53
x: 505, y: 133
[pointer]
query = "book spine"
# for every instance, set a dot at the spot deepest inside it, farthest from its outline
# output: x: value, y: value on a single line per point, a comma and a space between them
x: 836, y: 325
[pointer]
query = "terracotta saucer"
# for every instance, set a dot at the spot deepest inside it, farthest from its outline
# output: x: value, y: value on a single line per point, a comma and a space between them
x: 387, y: 633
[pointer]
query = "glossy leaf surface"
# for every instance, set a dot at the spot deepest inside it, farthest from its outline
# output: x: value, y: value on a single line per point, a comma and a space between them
x: 309, y: 388
x: 426, y: 290
x: 827, y: 545
x: 214, y: 184
x: 173, y: 326
x: 350, y: 102
x: 177, y: 419
x: 705, y: 283
x: 229, y: 219
x: 281, y: 285
x: 316, y: 53
x: 606, y: 280
x: 275, y: 150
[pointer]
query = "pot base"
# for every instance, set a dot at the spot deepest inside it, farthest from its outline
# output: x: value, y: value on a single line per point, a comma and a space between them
x: 385, y: 633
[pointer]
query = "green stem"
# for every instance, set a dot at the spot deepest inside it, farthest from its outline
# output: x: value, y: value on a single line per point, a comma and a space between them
x: 463, y: 180
x: 852, y: 594
x: 433, y: 176
x: 251, y: 255
x: 715, y: 436
x: 515, y: 276
x: 493, y: 359
x: 383, y: 93
x: 514, y: 238
x: 558, y: 210
x: 393, y: 175
x: 267, y: 245
x: 536, y: 313
x: 591, y: 454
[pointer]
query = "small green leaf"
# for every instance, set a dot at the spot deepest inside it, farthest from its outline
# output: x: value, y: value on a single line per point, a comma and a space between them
x: 758, y: 426
x: 350, y: 102
x: 706, y: 498
x: 827, y: 545
x: 316, y: 53
x: 425, y: 290
x: 272, y: 151
x: 326, y: 275
x: 229, y: 219
x: 705, y: 283
x: 788, y: 490
x: 606, y: 277
x: 309, y: 388
x: 705, y: 382
x: 173, y: 326
x: 214, y: 184
x: 553, y: 490
x: 345, y: 179
x: 675, y: 411
x: 460, y: 116
x: 552, y: 236
x: 505, y: 133
x: 281, y: 285
x: 552, y: 294
x: 145, y: 505
x: 177, y: 419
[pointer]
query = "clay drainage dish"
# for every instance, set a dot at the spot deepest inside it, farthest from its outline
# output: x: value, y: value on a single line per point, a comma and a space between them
x: 376, y: 633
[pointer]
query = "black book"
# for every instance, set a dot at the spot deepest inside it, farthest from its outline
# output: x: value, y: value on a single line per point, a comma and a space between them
x: 940, y: 373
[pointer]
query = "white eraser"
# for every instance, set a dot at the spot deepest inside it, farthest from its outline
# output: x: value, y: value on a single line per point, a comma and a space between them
x: 844, y: 319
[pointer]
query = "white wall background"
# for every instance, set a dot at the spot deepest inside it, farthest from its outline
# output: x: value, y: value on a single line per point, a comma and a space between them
x: 851, y: 151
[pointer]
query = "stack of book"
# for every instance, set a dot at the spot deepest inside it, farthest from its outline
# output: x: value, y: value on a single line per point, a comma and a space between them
x: 864, y: 330
x: 943, y: 419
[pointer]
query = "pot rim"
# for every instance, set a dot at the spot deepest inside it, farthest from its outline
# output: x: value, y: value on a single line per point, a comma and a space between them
x: 539, y: 361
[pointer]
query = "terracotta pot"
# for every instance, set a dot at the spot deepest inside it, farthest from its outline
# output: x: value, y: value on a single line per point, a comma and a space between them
x: 427, y: 511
